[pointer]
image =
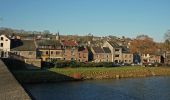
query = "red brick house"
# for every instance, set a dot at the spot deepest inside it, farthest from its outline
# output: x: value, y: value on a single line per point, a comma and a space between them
x: 82, y: 54
x: 70, y: 50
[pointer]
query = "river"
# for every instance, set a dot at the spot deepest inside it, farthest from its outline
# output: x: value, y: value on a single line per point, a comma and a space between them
x: 149, y: 88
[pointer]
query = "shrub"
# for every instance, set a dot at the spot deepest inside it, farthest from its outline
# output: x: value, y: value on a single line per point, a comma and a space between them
x: 74, y: 64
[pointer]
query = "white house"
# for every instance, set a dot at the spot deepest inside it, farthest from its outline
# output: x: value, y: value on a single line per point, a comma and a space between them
x: 4, y: 46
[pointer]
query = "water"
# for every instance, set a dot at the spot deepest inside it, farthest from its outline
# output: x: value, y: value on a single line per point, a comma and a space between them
x: 150, y: 88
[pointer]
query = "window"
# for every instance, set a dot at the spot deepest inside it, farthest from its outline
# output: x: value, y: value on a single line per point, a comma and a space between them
x: 116, y: 49
x: 57, y: 52
x: 107, y: 56
x: 46, y: 52
x: 1, y: 44
x: 51, y: 52
x: 116, y: 61
x: 2, y: 38
x: 116, y: 55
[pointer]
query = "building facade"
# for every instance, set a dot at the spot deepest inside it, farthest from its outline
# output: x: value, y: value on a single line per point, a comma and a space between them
x: 5, y: 44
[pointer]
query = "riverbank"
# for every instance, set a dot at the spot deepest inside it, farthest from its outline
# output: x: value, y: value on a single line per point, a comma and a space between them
x: 98, y: 73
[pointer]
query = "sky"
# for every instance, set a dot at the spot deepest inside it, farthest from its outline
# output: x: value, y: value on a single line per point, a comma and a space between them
x: 100, y: 17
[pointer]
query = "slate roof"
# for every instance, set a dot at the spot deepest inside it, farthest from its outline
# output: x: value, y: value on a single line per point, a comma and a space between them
x: 125, y: 49
x: 83, y: 49
x: 48, y: 43
x: 98, y: 49
x: 106, y: 50
x: 23, y: 45
x: 113, y: 44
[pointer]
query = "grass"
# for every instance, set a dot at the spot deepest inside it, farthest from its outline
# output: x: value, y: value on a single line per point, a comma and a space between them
x: 82, y: 70
x: 62, y: 74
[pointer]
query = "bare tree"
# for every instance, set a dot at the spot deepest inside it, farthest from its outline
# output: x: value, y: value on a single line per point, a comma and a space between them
x: 167, y: 35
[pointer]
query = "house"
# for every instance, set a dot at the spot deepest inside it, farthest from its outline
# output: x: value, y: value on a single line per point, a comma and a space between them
x: 98, y: 54
x: 70, y: 50
x: 151, y: 58
x: 127, y: 57
x: 116, y: 51
x: 167, y: 58
x: 82, y: 54
x: 108, y: 54
x: 5, y: 44
x: 25, y: 50
x: 101, y: 54
x: 49, y: 50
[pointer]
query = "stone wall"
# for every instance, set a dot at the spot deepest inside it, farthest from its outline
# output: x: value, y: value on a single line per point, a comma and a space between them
x: 10, y: 89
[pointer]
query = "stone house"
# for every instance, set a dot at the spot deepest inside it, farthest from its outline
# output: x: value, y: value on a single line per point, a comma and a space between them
x: 5, y: 45
x: 167, y: 57
x: 49, y: 50
x: 120, y: 54
x: 127, y: 57
x: 108, y: 54
x: 116, y: 51
x: 153, y: 58
x: 25, y: 50
x: 101, y: 54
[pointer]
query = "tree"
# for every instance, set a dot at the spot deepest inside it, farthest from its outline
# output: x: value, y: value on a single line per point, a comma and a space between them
x: 144, y: 45
x: 46, y: 33
x: 167, y: 35
x: 166, y: 44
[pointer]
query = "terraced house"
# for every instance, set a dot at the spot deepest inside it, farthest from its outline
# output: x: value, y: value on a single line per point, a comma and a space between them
x: 101, y: 54
x: 82, y: 54
x: 70, y: 50
x: 119, y: 54
x: 49, y: 50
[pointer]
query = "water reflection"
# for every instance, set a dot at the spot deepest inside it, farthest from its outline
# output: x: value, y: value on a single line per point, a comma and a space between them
x: 151, y: 88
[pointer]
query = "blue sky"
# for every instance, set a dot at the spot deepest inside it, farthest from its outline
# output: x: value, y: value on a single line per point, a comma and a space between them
x: 100, y: 17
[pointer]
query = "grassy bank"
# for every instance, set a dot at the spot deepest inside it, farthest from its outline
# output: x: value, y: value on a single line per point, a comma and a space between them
x: 68, y: 74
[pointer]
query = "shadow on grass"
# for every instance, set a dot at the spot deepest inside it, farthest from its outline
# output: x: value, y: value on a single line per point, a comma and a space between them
x: 24, y: 75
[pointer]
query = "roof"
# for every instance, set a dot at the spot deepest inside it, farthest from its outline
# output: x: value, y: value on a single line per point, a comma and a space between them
x: 69, y: 43
x: 48, y: 43
x: 113, y: 44
x: 23, y: 45
x: 83, y: 49
x: 98, y: 49
x: 125, y: 49
x: 106, y: 50
x: 5, y: 36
